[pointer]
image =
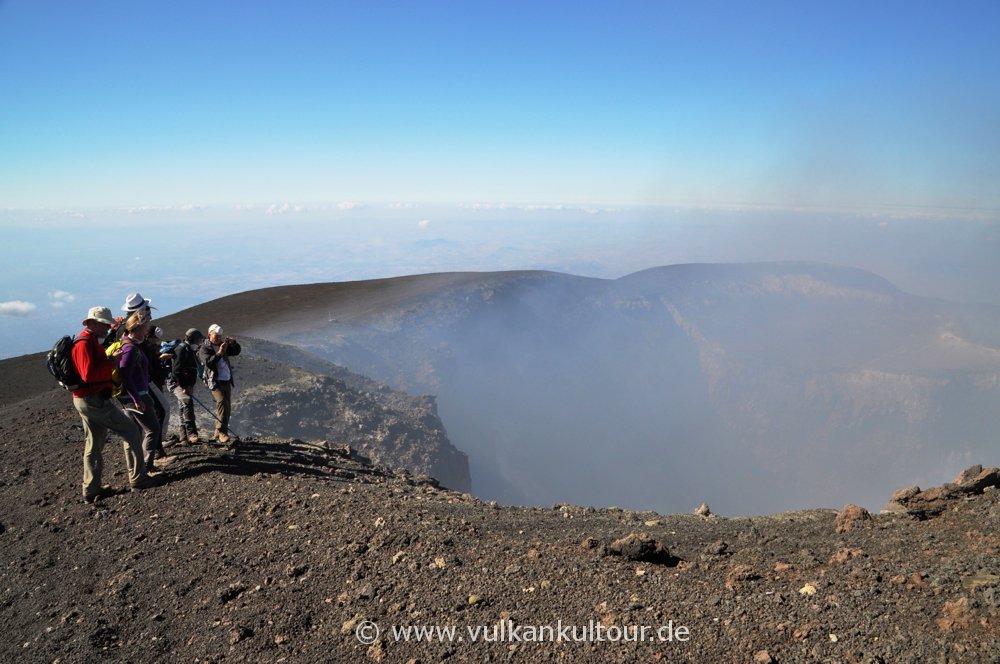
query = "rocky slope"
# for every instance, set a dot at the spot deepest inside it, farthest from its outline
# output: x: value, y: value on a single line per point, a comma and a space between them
x: 286, y: 550
x: 286, y: 392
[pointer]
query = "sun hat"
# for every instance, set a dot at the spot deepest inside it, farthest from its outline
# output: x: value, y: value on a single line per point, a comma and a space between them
x: 136, y: 301
x: 215, y: 328
x: 99, y: 314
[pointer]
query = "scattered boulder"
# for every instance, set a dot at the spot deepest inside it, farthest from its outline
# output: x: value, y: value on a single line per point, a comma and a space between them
x: 976, y: 479
x: 931, y: 502
x: 956, y: 615
x: 641, y: 547
x: 595, y: 545
x: 717, y: 548
x: 740, y: 574
x: 980, y: 580
x: 850, y: 516
x: 968, y: 474
x: 897, y: 502
x: 239, y: 633
x: 703, y: 510
x: 231, y: 592
x: 843, y: 555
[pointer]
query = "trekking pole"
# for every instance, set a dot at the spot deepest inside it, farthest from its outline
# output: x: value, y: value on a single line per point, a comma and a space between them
x: 214, y: 416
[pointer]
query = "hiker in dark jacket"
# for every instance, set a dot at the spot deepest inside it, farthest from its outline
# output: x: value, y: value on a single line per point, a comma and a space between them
x: 157, y: 376
x: 97, y: 411
x: 183, y: 376
x: 219, y: 377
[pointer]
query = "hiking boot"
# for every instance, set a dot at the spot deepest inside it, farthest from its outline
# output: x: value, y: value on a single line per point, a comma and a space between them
x: 193, y: 439
x: 224, y: 438
x: 104, y: 492
x: 144, y: 482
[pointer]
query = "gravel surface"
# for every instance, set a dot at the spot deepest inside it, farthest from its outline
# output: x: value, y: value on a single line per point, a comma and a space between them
x: 284, y: 550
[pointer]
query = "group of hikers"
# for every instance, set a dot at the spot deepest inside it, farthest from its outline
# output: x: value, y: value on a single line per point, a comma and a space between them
x: 125, y: 368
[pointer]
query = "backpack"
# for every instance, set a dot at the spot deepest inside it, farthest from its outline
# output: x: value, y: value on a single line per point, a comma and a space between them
x: 59, y: 362
x: 168, y: 348
x: 116, y: 375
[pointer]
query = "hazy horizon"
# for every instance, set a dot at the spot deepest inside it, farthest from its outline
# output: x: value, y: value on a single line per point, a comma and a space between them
x: 50, y: 283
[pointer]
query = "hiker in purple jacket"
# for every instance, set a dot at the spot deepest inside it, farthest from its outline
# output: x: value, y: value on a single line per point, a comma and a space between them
x: 133, y: 368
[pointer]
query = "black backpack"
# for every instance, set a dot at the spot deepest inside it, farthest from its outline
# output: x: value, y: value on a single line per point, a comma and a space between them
x: 60, y: 363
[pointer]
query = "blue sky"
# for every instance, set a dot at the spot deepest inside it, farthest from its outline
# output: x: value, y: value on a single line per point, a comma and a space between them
x: 767, y: 103
x: 192, y: 149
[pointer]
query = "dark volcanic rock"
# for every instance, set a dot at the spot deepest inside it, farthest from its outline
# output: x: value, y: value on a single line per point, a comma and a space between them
x: 391, y: 429
x: 642, y: 547
x: 931, y: 502
x: 286, y: 392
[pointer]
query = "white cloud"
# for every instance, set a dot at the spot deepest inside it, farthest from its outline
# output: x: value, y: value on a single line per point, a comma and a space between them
x: 145, y: 209
x: 61, y: 298
x: 16, y: 308
x: 284, y: 208
x: 482, y: 206
x: 534, y: 208
x: 424, y: 224
x: 349, y: 205
x: 539, y: 207
x: 402, y: 206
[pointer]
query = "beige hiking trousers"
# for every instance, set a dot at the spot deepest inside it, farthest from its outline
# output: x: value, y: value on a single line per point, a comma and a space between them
x: 100, y: 416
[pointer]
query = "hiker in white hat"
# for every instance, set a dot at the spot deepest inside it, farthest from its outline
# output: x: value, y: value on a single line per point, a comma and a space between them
x: 133, y: 302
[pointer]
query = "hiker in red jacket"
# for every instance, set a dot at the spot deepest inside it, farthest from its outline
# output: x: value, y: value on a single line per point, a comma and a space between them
x: 99, y: 413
